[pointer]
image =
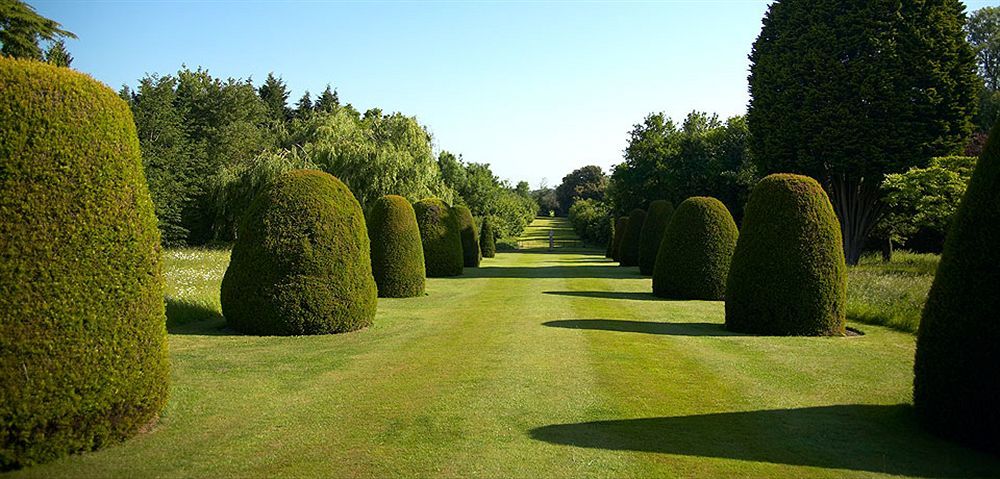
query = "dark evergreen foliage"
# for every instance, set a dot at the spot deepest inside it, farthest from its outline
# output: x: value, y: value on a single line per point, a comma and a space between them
x: 695, y: 251
x: 397, y: 254
x: 616, y: 241
x: 487, y: 240
x: 630, y: 239
x: 441, y: 237
x: 651, y: 236
x: 470, y: 236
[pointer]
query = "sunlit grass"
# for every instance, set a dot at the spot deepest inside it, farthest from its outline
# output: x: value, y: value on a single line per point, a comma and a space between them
x: 890, y: 294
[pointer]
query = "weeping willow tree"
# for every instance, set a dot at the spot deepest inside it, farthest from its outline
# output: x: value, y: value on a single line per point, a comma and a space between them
x: 847, y: 91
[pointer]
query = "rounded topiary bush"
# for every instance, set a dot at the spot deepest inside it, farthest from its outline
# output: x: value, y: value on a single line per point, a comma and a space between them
x: 302, y: 263
x: 651, y: 236
x: 788, y: 275
x: 397, y: 255
x: 616, y: 240
x: 610, y: 251
x: 83, y: 340
x: 470, y: 237
x: 695, y: 251
x: 441, y: 238
x: 487, y: 242
x: 956, y: 387
x: 630, y: 238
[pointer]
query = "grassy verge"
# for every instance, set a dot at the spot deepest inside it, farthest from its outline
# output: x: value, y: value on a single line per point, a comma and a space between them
x: 890, y: 294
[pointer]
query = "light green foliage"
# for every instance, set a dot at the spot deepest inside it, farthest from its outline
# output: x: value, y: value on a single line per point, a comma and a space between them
x: 397, y: 253
x: 703, y: 157
x: 21, y: 30
x: 591, y: 221
x: 695, y: 251
x: 924, y: 198
x: 788, y: 275
x: 476, y: 187
x: 470, y: 236
x: 83, y: 347
x: 651, y: 236
x: 301, y: 264
x: 441, y: 237
x: 956, y: 371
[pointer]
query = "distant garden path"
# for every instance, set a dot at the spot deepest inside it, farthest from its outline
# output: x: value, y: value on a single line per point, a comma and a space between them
x: 535, y: 365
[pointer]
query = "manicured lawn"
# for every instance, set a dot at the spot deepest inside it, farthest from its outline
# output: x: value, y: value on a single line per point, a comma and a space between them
x: 535, y: 365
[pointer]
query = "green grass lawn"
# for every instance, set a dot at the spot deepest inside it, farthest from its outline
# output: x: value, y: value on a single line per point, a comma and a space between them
x: 535, y: 365
x: 891, y: 294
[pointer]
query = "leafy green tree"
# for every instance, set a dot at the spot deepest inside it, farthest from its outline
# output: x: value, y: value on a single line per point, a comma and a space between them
x: 22, y: 28
x: 58, y: 55
x: 304, y: 107
x: 983, y: 30
x: 585, y: 183
x: 328, y: 101
x: 274, y: 94
x: 847, y: 91
x: 546, y: 199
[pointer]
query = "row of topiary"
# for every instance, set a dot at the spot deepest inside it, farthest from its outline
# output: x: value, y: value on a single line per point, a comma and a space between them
x: 787, y: 276
x: 83, y: 349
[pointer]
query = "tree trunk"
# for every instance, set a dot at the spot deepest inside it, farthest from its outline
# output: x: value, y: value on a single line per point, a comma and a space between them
x: 857, y: 204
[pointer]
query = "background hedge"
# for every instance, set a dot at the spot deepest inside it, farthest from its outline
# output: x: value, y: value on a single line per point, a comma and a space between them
x: 442, y: 241
x: 397, y: 255
x: 610, y: 252
x: 956, y: 388
x: 616, y: 241
x: 470, y: 236
x: 301, y: 264
x: 695, y: 251
x: 487, y: 241
x: 788, y: 275
x: 83, y: 349
x: 652, y: 234
x: 630, y: 238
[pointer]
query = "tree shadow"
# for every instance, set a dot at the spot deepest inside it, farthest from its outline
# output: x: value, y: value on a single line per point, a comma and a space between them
x: 195, y: 318
x: 542, y: 272
x: 874, y: 438
x: 632, y: 295
x: 644, y: 327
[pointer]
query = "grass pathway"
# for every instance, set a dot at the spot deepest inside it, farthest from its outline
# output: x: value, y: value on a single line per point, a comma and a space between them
x: 536, y: 365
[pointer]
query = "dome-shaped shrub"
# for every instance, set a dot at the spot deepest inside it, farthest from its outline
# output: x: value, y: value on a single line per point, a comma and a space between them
x: 788, y: 275
x: 439, y: 233
x: 956, y: 388
x: 616, y: 240
x: 397, y: 254
x: 470, y: 237
x: 83, y: 340
x: 302, y: 263
x: 630, y: 239
x: 652, y: 234
x: 487, y: 243
x: 695, y: 251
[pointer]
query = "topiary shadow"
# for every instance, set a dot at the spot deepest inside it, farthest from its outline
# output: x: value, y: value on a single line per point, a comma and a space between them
x: 195, y: 318
x: 873, y: 438
x: 635, y: 296
x: 579, y: 271
x: 644, y: 327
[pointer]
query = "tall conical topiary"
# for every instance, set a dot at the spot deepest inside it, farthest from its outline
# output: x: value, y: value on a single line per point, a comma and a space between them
x: 397, y: 254
x: 788, y: 275
x: 616, y: 241
x: 610, y: 252
x: 487, y: 243
x: 695, y: 251
x: 441, y: 238
x: 83, y: 340
x: 470, y: 237
x: 302, y: 263
x: 630, y: 239
x: 652, y: 234
x: 956, y: 387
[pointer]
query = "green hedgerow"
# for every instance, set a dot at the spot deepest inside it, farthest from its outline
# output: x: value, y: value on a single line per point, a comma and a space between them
x: 610, y: 252
x: 695, y: 251
x: 788, y: 275
x: 616, y: 240
x: 470, y: 237
x: 301, y: 264
x: 630, y: 239
x: 441, y: 238
x: 956, y: 387
x: 487, y: 242
x: 397, y: 254
x: 651, y: 236
x: 83, y: 340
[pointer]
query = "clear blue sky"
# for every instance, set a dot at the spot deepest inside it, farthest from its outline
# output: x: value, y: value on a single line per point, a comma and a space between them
x: 534, y: 89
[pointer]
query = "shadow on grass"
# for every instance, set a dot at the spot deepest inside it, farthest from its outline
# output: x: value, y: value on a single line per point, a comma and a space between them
x: 541, y: 272
x: 611, y: 295
x: 885, y: 439
x: 644, y: 327
x: 192, y: 317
